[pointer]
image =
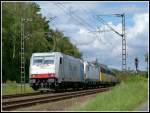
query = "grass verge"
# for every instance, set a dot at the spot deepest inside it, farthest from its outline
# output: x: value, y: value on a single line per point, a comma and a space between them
x: 124, y: 97
x: 11, y: 87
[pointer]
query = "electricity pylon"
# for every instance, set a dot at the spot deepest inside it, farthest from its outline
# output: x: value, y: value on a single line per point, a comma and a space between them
x: 122, y: 34
x: 23, y: 37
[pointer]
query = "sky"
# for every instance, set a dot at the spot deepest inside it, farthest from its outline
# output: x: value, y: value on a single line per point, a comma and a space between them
x: 80, y: 22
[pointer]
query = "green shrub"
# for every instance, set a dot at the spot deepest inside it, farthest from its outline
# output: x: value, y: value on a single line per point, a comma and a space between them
x: 127, y: 95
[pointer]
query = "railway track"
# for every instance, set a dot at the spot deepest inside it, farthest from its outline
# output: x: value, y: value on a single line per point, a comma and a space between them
x: 26, y: 94
x: 19, y: 95
x: 13, y: 103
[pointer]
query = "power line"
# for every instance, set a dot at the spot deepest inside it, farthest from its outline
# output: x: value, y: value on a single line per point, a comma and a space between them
x: 99, y: 30
x: 88, y: 26
x: 105, y: 23
x: 78, y: 19
x: 75, y: 17
x: 120, y: 34
x: 104, y: 35
x: 83, y: 22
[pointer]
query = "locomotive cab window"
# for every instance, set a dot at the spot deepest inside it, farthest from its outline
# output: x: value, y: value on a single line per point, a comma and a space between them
x: 102, y: 70
x: 37, y: 60
x: 48, y: 60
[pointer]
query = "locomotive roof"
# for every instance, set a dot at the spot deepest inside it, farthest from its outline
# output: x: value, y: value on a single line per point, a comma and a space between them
x: 44, y: 53
x: 53, y: 53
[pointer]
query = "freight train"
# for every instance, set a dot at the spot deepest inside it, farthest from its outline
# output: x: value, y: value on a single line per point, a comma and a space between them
x: 55, y: 70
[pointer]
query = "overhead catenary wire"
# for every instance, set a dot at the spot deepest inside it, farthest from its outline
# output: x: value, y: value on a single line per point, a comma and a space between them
x: 105, y: 23
x: 97, y: 36
x: 80, y: 20
x: 104, y: 35
x: 99, y: 29
x: 104, y: 30
x: 120, y: 34
x: 75, y: 17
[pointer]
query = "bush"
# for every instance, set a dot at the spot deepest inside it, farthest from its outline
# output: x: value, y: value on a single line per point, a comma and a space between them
x: 132, y: 91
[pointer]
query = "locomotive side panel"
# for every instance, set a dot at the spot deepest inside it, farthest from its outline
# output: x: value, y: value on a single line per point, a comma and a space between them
x: 71, y: 69
x: 91, y: 72
x: 105, y: 76
x: 55, y: 70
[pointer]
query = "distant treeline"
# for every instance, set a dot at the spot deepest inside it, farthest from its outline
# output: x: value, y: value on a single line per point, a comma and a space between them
x: 12, y: 12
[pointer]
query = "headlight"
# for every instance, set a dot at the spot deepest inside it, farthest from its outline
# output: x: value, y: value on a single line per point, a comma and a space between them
x: 33, y: 76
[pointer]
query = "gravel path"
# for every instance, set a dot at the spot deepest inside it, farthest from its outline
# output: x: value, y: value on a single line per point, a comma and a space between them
x: 143, y: 107
x: 64, y: 105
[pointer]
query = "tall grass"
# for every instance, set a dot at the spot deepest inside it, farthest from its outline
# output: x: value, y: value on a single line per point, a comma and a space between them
x: 11, y: 87
x: 126, y: 96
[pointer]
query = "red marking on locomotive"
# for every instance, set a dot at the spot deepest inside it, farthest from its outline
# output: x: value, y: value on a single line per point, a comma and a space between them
x: 47, y: 75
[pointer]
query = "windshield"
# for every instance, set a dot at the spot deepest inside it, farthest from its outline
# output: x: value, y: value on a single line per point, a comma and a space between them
x: 43, y: 60
x: 37, y: 60
x: 48, y: 60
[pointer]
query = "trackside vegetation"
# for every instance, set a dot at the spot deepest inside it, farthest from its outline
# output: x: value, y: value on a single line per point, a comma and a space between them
x: 11, y: 87
x: 126, y: 96
x: 38, y: 41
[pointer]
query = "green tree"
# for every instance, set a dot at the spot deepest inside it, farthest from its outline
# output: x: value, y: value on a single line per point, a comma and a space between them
x: 12, y: 12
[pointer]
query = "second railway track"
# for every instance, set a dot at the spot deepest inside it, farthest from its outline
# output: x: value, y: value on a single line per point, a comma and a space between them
x: 19, y: 95
x: 11, y: 104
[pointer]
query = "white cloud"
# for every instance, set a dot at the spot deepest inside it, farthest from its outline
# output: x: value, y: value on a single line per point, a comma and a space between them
x: 106, y: 47
x: 140, y: 25
x: 137, y: 39
x: 130, y: 8
x: 137, y: 44
x: 138, y: 34
x: 83, y: 37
